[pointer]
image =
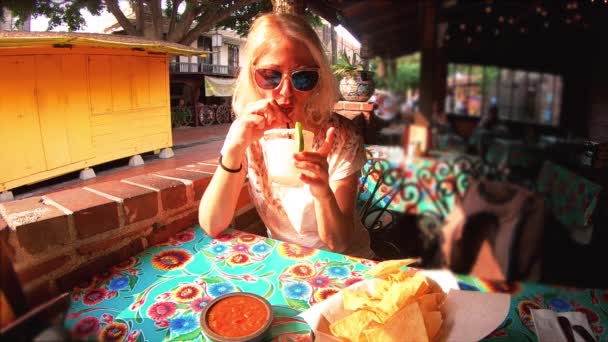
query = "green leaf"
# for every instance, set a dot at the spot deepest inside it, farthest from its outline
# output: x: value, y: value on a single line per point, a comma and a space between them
x: 214, y: 280
x: 271, y: 242
x: 270, y: 291
x: 193, y: 335
x: 268, y: 274
x: 336, y: 263
x: 257, y: 269
x: 207, y: 254
x: 132, y: 281
x: 138, y: 317
x: 119, y: 320
x: 297, y: 304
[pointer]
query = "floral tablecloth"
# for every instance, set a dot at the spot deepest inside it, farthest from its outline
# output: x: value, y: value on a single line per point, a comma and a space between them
x: 159, y: 294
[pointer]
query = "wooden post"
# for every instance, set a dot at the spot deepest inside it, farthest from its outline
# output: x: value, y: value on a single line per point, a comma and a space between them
x: 334, y: 45
x: 295, y: 7
x: 433, y: 67
x: 365, y: 52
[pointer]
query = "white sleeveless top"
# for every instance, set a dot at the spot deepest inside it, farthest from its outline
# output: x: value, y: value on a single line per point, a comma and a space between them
x: 288, y: 212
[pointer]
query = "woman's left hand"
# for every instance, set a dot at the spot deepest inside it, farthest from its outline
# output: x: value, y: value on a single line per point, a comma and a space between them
x: 315, y: 169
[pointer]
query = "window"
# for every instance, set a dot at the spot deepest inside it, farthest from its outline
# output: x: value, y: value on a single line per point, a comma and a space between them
x: 205, y: 44
x: 519, y: 95
x: 233, y: 55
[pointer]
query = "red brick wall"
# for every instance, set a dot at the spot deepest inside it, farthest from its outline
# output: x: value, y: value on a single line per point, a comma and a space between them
x: 58, y: 240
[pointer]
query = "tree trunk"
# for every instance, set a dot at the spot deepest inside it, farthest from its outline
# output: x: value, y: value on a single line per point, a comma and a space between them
x: 172, y: 20
x: 157, y: 19
x: 121, y: 18
x: 295, y: 7
x: 139, y: 17
x: 186, y: 20
x: 208, y: 19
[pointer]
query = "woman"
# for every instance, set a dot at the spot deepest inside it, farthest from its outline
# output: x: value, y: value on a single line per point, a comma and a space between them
x: 287, y: 79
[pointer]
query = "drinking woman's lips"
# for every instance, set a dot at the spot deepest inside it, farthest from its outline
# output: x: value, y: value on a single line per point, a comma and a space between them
x: 286, y: 109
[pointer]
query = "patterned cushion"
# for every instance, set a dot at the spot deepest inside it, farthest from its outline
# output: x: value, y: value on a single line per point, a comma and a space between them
x: 481, y: 234
x: 570, y: 197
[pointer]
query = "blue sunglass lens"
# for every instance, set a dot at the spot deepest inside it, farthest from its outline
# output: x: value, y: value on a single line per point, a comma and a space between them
x: 305, y: 80
x: 267, y: 78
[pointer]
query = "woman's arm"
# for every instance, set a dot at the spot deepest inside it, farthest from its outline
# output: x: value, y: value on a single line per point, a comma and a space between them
x: 217, y: 206
x: 334, y: 203
x: 335, y: 213
x: 219, y: 200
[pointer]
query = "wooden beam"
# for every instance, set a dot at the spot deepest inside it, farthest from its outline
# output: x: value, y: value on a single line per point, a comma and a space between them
x: 397, y: 45
x: 362, y: 8
x: 385, y: 30
x: 384, y: 18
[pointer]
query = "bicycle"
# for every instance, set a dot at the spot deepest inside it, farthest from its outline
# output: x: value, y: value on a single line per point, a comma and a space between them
x: 206, y: 115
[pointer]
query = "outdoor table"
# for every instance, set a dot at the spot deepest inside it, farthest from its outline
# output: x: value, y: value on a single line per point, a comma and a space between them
x: 159, y: 294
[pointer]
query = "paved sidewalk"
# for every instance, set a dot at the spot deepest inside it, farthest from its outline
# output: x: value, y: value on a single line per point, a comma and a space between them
x: 184, y: 137
x: 190, y: 145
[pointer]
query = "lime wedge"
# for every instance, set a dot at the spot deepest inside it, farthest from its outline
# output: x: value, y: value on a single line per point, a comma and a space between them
x: 299, y: 137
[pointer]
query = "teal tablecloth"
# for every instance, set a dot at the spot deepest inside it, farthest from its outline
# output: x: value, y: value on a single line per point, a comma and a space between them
x: 159, y: 294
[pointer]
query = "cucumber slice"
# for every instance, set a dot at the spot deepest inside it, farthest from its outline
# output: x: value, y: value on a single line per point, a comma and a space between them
x: 299, y: 137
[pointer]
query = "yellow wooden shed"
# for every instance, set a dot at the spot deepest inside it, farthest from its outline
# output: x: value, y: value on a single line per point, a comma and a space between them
x: 69, y: 101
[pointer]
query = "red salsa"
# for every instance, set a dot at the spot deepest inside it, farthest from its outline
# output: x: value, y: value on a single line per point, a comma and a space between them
x: 237, y: 316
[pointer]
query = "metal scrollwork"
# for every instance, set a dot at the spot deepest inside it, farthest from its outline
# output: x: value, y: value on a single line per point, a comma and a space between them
x: 374, y: 211
x: 412, y: 195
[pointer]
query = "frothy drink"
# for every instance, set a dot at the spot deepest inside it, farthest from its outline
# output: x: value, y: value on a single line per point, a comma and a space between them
x: 279, y: 145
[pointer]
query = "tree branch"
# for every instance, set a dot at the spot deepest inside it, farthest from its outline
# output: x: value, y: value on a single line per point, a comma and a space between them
x: 191, y: 11
x: 210, y: 18
x: 120, y: 16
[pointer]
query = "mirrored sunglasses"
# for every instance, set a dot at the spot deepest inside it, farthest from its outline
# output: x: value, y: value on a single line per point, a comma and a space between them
x: 302, y: 80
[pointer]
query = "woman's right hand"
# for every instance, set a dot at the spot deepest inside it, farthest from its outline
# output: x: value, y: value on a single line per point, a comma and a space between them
x: 250, y: 125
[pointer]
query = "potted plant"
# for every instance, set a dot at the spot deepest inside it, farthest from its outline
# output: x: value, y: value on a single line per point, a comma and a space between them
x: 356, y: 83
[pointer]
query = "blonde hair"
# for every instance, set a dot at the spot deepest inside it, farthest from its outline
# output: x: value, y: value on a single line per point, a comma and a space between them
x: 269, y: 29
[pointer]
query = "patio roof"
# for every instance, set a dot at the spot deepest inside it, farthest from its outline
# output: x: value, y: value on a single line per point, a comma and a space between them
x: 394, y: 28
x: 19, y: 39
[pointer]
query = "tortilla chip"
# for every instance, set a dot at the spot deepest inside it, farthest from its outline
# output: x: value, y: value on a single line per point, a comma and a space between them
x: 432, y: 323
x: 401, y: 305
x: 430, y: 302
x: 400, y: 276
x: 406, y: 325
x: 389, y: 266
x: 353, y: 325
x: 357, y: 299
x: 397, y: 296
